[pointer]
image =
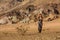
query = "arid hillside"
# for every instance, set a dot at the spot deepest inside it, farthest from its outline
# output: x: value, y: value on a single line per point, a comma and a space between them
x: 19, y: 19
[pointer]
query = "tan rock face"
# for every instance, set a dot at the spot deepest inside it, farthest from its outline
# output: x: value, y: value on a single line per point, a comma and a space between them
x: 21, y: 10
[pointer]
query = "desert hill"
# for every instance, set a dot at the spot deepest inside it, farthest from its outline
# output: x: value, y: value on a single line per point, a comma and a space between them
x: 18, y: 19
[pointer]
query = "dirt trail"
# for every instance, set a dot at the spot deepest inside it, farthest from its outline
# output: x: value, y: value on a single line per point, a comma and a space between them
x: 33, y: 27
x: 51, y: 31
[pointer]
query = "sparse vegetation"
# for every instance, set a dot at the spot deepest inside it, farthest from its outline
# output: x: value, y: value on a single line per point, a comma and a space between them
x: 22, y: 30
x: 22, y: 16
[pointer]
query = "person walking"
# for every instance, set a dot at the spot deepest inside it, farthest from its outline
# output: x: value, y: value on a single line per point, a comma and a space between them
x: 40, y: 22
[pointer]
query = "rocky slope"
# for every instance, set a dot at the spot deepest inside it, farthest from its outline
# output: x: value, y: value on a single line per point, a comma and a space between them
x: 21, y: 9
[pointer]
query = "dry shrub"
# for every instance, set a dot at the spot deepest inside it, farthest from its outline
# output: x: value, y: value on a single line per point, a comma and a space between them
x: 22, y: 30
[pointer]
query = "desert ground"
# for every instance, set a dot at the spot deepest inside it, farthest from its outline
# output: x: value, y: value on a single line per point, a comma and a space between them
x: 51, y: 31
x: 29, y: 31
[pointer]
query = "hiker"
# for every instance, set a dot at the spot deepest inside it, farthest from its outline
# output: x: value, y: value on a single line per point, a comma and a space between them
x: 40, y: 22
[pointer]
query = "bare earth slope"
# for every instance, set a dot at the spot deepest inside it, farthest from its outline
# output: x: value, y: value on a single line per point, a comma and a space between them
x: 51, y: 31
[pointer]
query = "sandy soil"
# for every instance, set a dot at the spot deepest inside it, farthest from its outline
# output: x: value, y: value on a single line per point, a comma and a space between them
x: 51, y: 31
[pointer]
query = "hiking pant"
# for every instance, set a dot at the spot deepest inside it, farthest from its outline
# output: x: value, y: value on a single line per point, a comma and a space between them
x: 39, y: 26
